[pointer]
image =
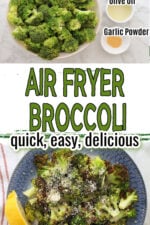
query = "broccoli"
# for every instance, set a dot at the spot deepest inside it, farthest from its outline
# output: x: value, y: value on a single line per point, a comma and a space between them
x: 78, y: 220
x: 35, y: 19
x: 45, y: 10
x: 49, y: 53
x: 84, y: 35
x: 74, y: 24
x: 65, y: 34
x: 56, y: 24
x: 41, y: 160
x: 25, y: 10
x: 33, y: 47
x: 97, y: 166
x: 85, y: 15
x: 39, y: 33
x: 71, y: 22
x: 118, y: 175
x: 20, y: 33
x: 130, y: 198
x: 13, y: 17
x: 59, y: 212
x: 51, y: 42
x: 41, y: 2
x: 30, y: 212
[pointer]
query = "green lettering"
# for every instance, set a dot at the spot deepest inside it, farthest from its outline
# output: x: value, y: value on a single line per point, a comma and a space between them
x: 49, y: 84
x: 117, y: 84
x: 66, y: 81
x: 35, y: 119
x: 93, y: 80
x: 32, y: 83
x: 104, y: 82
x: 76, y: 107
x: 62, y: 107
x: 123, y: 125
x: 104, y: 107
x: 89, y: 107
x: 47, y: 117
x: 80, y: 81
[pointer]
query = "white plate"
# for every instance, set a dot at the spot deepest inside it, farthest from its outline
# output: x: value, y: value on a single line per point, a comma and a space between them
x: 124, y: 46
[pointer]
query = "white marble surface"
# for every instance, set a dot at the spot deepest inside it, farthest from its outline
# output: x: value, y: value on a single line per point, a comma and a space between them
x: 138, y: 52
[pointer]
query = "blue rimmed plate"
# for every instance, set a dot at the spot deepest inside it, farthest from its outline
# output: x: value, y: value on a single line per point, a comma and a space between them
x: 25, y: 171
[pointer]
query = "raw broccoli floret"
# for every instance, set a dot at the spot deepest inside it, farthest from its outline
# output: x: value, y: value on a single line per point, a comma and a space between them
x: 65, y: 34
x: 56, y: 24
x: 84, y: 35
x: 70, y: 45
x: 39, y: 33
x: 51, y: 42
x: 85, y: 15
x: 20, y: 33
x: 25, y: 10
x: 49, y: 53
x: 129, y: 199
x: 74, y: 24
x: 118, y: 175
x: 35, y: 19
x: 34, y: 47
x: 12, y: 16
x: 45, y: 10
x: 42, y: 2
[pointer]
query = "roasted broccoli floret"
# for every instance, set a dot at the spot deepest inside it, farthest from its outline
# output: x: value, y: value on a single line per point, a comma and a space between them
x: 118, y: 175
x: 76, y: 220
x: 76, y: 189
x: 30, y: 212
x: 129, y: 199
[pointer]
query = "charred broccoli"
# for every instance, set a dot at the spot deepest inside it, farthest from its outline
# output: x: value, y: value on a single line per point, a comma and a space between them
x: 76, y: 189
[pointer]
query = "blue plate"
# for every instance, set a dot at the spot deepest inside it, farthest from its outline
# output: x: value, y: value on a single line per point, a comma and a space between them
x: 25, y: 171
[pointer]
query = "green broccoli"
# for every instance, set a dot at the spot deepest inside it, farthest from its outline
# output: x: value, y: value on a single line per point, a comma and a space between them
x: 58, y: 213
x: 33, y: 47
x: 35, y: 19
x: 65, y: 34
x: 84, y: 35
x: 56, y: 24
x: 41, y: 2
x: 130, y: 198
x: 39, y: 33
x: 45, y: 10
x: 51, y: 42
x: 25, y: 10
x: 97, y: 166
x: 12, y: 16
x: 74, y: 24
x: 85, y: 15
x: 49, y: 53
x: 76, y: 220
x: 30, y: 212
x: 20, y: 33
x: 118, y: 175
